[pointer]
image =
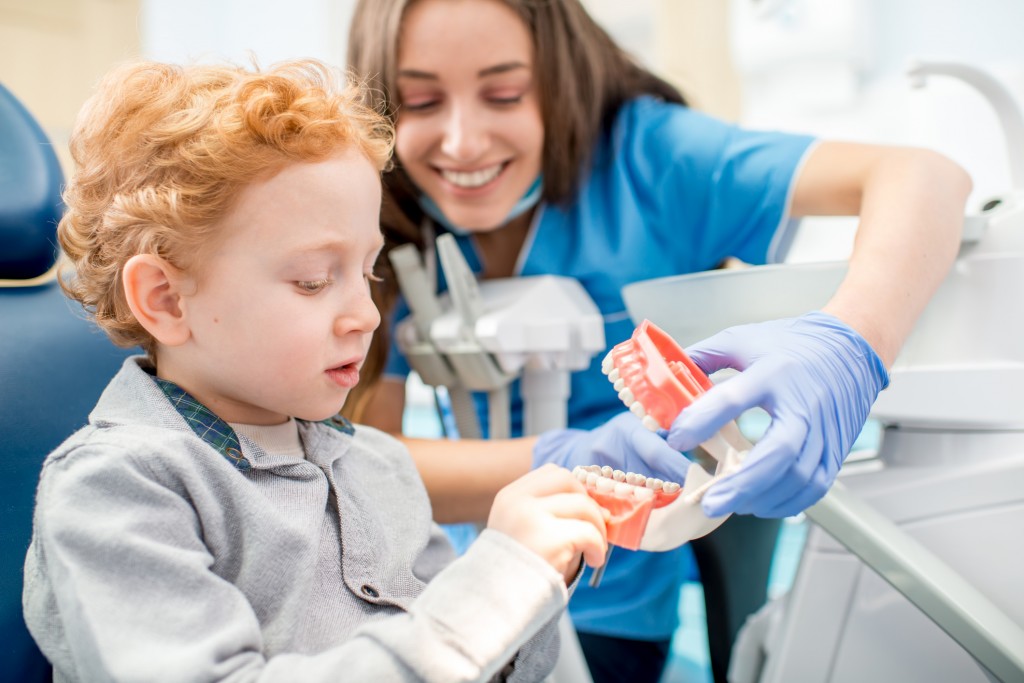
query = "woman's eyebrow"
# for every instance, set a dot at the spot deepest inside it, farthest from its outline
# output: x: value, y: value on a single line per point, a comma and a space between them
x: 504, y: 67
x: 415, y: 73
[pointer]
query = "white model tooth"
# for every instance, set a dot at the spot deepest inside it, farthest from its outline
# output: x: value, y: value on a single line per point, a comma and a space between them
x: 620, y: 385
x: 651, y: 423
x: 618, y: 475
x: 614, y: 376
x: 580, y: 474
x: 654, y: 484
x: 638, y: 410
x: 576, y: 470
x: 606, y: 471
x: 596, y: 469
x: 670, y: 487
x: 626, y: 396
x: 636, y: 479
x: 607, y: 363
x: 623, y: 489
x: 605, y: 485
x: 642, y: 493
x: 592, y: 479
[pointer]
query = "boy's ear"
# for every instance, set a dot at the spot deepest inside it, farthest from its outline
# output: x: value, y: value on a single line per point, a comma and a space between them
x: 153, y: 287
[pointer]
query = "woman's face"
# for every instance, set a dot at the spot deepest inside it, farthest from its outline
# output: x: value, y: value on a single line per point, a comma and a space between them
x: 469, y: 132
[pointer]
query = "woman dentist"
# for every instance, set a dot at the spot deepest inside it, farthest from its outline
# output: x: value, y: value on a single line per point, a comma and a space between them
x: 523, y: 129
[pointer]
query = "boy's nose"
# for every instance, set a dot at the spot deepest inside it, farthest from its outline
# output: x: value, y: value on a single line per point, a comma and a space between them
x: 360, y: 314
x: 465, y: 135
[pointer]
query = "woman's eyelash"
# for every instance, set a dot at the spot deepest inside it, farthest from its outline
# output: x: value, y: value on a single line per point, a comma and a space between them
x: 312, y: 286
x: 424, y: 106
x: 419, y: 106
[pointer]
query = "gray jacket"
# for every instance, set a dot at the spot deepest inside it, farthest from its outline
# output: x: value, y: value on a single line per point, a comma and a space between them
x: 166, y: 548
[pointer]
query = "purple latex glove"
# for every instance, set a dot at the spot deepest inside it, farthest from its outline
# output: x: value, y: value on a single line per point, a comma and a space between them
x: 816, y: 377
x: 622, y: 442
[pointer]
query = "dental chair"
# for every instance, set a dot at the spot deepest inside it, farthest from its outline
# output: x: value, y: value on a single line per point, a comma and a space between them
x: 53, y: 363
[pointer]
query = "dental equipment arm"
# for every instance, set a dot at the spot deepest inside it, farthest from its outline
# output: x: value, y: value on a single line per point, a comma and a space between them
x: 945, y: 597
x: 483, y: 335
x: 985, y: 632
x: 474, y: 366
x: 431, y: 365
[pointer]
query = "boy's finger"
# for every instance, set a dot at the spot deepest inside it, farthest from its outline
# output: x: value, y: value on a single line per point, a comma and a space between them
x: 587, y: 540
x: 578, y: 506
x: 547, y: 480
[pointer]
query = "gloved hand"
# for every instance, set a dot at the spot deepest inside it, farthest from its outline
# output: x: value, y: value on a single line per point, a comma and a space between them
x: 622, y: 442
x: 816, y: 377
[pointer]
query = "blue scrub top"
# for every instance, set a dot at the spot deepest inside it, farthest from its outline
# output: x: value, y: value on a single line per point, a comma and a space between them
x: 670, y: 191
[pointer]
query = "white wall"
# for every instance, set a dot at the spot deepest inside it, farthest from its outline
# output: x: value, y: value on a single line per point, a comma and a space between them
x: 236, y: 30
x: 835, y: 68
x: 828, y: 67
x: 186, y: 30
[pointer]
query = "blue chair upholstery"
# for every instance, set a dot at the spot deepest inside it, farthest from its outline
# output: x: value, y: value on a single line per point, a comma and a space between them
x: 53, y: 362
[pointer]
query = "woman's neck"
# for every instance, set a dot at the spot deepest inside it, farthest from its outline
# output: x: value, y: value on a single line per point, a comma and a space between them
x: 499, y: 249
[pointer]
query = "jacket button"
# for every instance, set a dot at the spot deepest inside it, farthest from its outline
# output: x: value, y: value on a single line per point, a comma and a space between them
x: 370, y: 592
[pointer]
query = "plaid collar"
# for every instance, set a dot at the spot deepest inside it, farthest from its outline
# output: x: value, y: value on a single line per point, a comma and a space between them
x: 218, y: 433
x: 340, y: 423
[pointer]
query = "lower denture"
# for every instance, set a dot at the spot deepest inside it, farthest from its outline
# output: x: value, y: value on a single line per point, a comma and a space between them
x: 629, y: 511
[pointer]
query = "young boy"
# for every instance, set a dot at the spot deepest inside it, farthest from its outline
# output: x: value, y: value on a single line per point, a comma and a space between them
x: 217, y: 518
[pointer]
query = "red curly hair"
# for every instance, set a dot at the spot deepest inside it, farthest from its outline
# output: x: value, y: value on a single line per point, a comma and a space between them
x: 162, y: 151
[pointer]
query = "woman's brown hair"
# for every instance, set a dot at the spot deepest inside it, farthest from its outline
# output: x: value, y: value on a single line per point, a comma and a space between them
x: 583, y: 77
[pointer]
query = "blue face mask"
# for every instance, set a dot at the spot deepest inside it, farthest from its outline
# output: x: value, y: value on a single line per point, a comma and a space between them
x: 525, y: 203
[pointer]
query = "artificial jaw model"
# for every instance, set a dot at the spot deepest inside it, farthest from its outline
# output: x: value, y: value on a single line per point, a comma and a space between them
x: 656, y: 380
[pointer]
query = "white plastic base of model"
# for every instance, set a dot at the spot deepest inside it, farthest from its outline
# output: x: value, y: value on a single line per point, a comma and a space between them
x: 683, y: 519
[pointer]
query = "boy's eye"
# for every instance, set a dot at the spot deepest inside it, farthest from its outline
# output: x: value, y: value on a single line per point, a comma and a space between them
x: 312, y: 286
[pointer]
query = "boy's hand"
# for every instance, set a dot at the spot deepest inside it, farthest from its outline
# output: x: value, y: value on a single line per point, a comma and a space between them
x: 550, y: 513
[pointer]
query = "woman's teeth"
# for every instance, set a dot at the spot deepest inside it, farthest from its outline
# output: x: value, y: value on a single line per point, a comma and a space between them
x: 472, y: 179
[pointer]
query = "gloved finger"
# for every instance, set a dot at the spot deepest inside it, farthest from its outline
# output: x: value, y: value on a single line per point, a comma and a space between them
x: 721, y: 404
x: 657, y: 457
x: 718, y: 352
x: 766, y: 464
x: 556, y: 446
x: 810, y: 494
x: 799, y: 474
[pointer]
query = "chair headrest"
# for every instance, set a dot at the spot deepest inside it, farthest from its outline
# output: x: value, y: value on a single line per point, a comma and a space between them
x: 30, y: 186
